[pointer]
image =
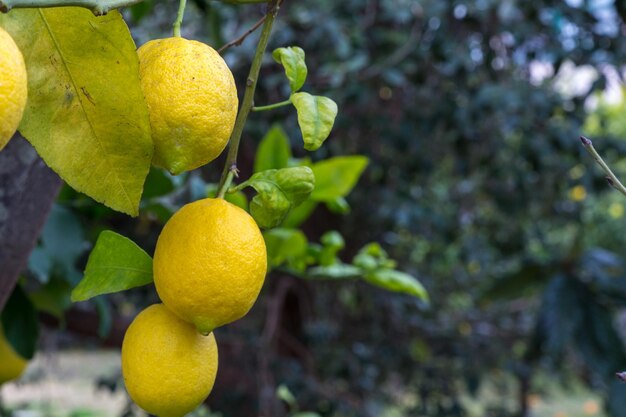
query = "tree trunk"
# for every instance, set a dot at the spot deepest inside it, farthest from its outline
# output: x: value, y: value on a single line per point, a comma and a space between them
x: 27, y: 190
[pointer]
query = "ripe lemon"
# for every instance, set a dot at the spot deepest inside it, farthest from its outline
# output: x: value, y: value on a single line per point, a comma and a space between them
x: 210, y: 263
x: 12, y: 365
x: 13, y: 87
x: 192, y: 101
x: 169, y: 368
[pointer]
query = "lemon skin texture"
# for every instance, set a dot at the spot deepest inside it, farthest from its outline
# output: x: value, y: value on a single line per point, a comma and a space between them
x: 210, y: 263
x: 169, y: 368
x: 13, y: 87
x: 192, y: 100
x: 12, y: 365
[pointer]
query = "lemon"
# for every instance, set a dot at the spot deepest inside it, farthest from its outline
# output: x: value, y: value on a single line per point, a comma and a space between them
x: 192, y: 101
x: 210, y: 263
x: 169, y: 368
x: 13, y: 87
x: 12, y: 365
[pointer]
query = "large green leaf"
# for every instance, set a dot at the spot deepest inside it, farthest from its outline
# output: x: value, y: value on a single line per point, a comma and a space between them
x: 316, y: 117
x: 292, y: 59
x: 278, y: 190
x: 335, y: 177
x: 115, y: 264
x: 273, y: 151
x: 19, y: 323
x: 86, y: 115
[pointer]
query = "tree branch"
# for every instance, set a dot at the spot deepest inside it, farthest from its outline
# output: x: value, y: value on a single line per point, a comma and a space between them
x: 610, y: 176
x: 98, y: 7
x: 248, y: 97
x: 28, y: 189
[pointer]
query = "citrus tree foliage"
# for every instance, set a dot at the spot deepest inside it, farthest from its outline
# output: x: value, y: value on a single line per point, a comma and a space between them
x: 475, y: 179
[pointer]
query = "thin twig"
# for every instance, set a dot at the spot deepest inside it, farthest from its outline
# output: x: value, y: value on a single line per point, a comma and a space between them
x: 98, y: 7
x: 243, y: 37
x: 610, y: 176
x: 232, y: 173
x: 272, y: 106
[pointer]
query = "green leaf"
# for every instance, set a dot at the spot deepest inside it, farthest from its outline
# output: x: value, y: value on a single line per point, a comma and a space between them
x: 333, y: 239
x: 339, y: 205
x: 61, y: 244
x: 336, y: 177
x: 284, y: 244
x: 299, y: 214
x: 292, y: 58
x: 19, y: 323
x: 53, y: 298
x: 316, y: 117
x: 283, y: 393
x: 278, y: 190
x: 274, y: 151
x: 337, y: 271
x: 85, y: 115
x: 397, y: 281
x: 115, y: 264
x: 332, y: 242
x: 372, y: 257
x: 158, y: 183
x: 305, y: 414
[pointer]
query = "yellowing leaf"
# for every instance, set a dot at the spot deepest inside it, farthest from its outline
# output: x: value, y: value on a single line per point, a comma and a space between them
x: 292, y: 58
x: 85, y: 115
x: 316, y: 117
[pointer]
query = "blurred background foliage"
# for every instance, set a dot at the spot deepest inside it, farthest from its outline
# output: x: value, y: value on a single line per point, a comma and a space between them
x: 469, y: 112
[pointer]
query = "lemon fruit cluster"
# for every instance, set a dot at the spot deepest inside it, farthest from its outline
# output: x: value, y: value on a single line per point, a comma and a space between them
x: 13, y: 87
x: 12, y: 365
x: 209, y: 266
x: 192, y: 101
x: 210, y: 259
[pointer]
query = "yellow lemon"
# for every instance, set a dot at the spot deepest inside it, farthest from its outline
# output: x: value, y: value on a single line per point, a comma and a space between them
x: 13, y: 87
x: 210, y: 263
x: 192, y: 101
x: 169, y: 368
x: 12, y: 365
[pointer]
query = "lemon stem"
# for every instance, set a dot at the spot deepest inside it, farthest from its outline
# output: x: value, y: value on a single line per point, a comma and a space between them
x: 232, y: 173
x: 248, y: 97
x: 272, y: 106
x: 610, y: 176
x: 179, y: 17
